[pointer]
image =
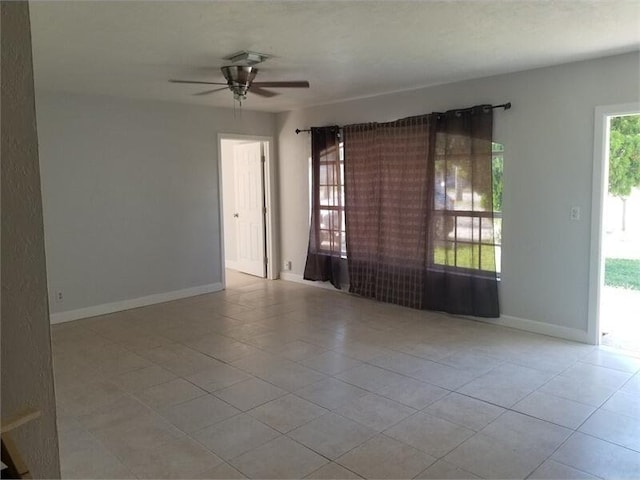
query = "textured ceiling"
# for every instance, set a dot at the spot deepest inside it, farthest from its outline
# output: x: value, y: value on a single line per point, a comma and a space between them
x: 346, y: 49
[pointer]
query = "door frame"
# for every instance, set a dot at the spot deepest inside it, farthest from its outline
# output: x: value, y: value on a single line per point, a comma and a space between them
x: 598, y: 192
x: 270, y: 219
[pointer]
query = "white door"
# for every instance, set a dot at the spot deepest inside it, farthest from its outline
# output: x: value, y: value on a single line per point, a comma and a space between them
x: 249, y: 214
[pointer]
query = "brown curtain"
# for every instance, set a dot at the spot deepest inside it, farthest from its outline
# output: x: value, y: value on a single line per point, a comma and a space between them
x: 326, y: 236
x: 386, y: 208
x: 419, y: 212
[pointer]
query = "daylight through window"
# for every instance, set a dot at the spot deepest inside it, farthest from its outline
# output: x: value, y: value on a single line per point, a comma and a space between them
x: 463, y: 235
x: 331, y: 229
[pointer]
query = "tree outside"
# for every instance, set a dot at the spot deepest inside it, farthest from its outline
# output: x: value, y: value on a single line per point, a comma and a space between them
x: 621, y: 294
x: 624, y: 180
x: 497, y: 167
x: 624, y: 159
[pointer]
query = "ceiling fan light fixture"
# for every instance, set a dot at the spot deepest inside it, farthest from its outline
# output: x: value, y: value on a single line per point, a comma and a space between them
x: 239, y: 74
x: 239, y: 78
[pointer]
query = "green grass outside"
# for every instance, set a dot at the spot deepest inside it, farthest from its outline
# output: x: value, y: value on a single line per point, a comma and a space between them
x: 618, y: 272
x: 622, y: 272
x: 468, y: 256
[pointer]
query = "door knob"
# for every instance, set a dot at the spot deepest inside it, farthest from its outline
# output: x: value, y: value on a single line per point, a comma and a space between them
x: 236, y: 215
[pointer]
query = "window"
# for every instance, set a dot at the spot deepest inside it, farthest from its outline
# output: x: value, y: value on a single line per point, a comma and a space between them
x: 463, y: 234
x: 331, y: 228
x: 463, y: 237
x: 327, y: 225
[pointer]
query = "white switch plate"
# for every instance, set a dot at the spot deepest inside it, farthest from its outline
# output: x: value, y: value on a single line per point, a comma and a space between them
x: 575, y: 213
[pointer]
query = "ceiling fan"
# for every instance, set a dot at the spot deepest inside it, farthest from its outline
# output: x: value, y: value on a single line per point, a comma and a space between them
x: 240, y: 81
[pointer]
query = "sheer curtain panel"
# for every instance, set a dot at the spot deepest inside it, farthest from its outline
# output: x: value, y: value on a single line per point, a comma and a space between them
x: 326, y: 236
x: 462, y: 276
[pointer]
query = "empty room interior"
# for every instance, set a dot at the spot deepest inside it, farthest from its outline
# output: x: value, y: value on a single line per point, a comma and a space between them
x: 330, y: 240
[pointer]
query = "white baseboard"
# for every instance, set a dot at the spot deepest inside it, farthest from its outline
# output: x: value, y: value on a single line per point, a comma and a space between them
x: 542, y: 328
x: 106, y: 308
x: 527, y: 325
x: 294, y: 277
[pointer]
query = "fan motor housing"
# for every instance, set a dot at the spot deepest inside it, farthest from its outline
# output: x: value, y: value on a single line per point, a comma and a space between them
x: 239, y: 78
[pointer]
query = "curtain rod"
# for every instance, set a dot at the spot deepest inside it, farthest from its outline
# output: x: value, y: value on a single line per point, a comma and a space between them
x: 506, y: 106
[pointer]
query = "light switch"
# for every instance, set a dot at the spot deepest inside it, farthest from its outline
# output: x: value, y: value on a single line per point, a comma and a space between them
x: 575, y: 213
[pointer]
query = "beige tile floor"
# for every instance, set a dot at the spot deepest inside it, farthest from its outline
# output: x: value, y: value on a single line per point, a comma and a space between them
x: 270, y: 379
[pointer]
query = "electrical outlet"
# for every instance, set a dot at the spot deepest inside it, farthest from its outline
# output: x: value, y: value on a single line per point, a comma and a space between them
x: 287, y: 265
x: 59, y: 297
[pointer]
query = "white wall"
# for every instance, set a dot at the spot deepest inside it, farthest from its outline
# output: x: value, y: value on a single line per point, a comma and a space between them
x: 130, y: 192
x: 548, y: 137
x: 27, y: 373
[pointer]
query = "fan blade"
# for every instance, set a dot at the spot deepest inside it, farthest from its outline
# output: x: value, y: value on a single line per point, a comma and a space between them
x: 207, y: 92
x: 293, y: 84
x: 197, y: 82
x: 262, y: 92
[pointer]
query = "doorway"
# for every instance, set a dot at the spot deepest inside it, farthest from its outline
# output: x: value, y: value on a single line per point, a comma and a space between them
x: 615, y: 252
x: 246, y: 200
